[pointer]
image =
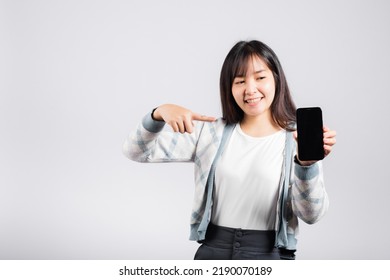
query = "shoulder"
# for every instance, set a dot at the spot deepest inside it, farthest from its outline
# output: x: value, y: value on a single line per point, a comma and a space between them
x: 292, y: 126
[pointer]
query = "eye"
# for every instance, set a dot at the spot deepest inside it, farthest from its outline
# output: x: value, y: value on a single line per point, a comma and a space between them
x: 260, y: 78
x: 239, y: 81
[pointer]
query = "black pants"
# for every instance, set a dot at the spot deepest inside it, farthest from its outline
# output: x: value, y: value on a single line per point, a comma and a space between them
x: 223, y: 243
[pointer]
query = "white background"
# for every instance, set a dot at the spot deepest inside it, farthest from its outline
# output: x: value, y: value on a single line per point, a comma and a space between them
x: 77, y: 76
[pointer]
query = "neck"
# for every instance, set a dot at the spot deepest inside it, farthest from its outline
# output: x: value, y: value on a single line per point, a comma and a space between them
x: 259, y: 126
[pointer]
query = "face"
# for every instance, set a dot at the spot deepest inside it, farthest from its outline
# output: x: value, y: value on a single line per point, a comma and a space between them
x: 255, y: 91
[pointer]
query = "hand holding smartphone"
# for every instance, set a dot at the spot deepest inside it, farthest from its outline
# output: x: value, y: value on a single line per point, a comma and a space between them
x: 310, y: 134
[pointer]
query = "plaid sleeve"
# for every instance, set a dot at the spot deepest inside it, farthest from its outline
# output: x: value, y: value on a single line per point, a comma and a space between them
x: 150, y: 142
x: 309, y: 198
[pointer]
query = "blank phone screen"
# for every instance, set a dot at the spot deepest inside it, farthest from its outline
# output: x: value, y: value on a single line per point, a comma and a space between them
x: 310, y: 133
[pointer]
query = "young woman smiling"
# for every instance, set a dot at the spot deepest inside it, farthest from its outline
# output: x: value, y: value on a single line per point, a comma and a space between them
x: 250, y: 186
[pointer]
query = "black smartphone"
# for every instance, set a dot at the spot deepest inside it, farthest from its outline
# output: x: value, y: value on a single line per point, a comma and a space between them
x: 310, y: 133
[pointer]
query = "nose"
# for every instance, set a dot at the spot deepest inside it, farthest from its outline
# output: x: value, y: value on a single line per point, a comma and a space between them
x: 250, y: 87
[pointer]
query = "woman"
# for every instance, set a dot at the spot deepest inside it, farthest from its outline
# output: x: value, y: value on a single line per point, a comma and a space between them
x: 250, y: 186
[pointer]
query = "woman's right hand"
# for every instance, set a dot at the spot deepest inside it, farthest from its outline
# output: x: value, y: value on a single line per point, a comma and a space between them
x: 179, y: 118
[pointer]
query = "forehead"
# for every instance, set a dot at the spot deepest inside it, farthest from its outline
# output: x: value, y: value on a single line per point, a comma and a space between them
x: 250, y: 64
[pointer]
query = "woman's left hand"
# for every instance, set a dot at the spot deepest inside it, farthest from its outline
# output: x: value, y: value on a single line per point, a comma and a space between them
x: 329, y: 141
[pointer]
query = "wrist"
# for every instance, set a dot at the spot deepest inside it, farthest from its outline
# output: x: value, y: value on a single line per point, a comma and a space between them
x: 303, y: 163
x: 155, y: 115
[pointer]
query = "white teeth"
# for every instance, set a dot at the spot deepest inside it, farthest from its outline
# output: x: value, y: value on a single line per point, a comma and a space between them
x: 254, y: 100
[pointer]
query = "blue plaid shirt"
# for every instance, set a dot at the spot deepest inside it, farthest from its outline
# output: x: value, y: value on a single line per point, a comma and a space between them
x: 302, y: 192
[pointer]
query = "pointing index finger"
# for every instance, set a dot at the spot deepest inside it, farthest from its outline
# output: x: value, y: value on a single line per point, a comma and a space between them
x: 198, y: 117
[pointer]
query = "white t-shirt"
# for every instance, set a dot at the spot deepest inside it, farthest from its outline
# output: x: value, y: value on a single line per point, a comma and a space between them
x: 247, y: 180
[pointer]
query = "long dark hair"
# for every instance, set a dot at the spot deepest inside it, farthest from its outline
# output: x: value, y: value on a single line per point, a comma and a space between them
x: 235, y: 64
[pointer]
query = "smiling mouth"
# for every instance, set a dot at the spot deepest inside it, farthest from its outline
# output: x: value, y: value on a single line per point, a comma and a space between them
x: 253, y: 100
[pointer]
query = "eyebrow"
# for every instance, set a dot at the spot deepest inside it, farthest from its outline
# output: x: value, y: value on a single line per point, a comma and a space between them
x: 256, y: 72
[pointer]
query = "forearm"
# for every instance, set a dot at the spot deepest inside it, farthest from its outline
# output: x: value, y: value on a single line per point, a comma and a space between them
x: 150, y: 143
x: 309, y: 197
